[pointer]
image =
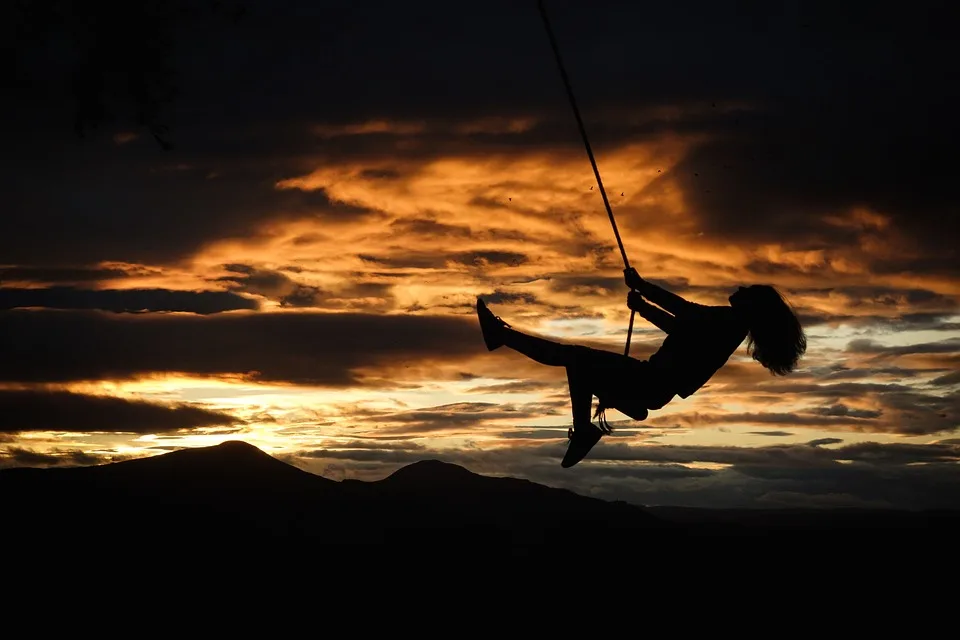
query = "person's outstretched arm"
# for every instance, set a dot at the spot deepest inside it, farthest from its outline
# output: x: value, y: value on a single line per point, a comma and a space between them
x: 658, y: 295
x: 663, y: 320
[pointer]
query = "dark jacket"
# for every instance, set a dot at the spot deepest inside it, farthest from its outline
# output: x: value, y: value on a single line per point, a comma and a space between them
x: 700, y: 338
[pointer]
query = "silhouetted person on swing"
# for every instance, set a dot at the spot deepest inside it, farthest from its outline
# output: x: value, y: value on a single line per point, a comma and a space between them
x: 700, y: 339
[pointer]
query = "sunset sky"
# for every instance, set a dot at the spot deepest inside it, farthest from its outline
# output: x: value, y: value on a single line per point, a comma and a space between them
x: 300, y: 270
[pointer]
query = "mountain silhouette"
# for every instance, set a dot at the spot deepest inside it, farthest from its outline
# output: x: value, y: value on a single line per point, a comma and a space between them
x: 234, y: 488
x: 441, y: 496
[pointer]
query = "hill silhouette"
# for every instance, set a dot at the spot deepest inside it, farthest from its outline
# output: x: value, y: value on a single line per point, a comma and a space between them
x: 235, y: 490
x: 443, y: 496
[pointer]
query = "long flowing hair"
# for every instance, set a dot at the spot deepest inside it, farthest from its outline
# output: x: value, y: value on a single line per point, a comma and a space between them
x: 776, y: 339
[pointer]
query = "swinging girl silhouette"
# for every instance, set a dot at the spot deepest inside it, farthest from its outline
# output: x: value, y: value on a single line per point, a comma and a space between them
x: 700, y: 339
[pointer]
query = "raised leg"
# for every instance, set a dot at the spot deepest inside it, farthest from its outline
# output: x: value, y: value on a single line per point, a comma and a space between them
x: 581, y: 397
x: 581, y: 364
x: 548, y: 352
x: 497, y: 333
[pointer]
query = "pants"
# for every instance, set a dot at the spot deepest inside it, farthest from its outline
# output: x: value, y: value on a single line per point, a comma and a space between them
x: 620, y: 382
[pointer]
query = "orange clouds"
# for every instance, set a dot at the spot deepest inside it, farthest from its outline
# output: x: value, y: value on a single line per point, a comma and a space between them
x: 523, y: 228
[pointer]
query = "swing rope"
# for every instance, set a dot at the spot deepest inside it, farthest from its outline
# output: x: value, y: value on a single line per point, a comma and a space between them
x: 586, y: 144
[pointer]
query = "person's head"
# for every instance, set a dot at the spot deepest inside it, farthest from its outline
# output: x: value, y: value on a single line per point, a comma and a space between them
x: 776, y: 339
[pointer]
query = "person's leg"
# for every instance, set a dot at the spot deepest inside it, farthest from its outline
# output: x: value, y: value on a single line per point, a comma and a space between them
x: 585, y: 367
x: 584, y: 434
x: 497, y: 333
x: 547, y: 352
x: 581, y: 396
x: 625, y: 381
x: 582, y: 364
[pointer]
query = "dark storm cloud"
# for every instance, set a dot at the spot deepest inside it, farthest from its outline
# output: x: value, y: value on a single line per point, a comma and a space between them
x: 591, y: 285
x: 946, y: 380
x: 307, y: 348
x: 460, y: 416
x: 20, y: 457
x: 899, y: 453
x: 923, y: 322
x: 154, y: 217
x: 819, y: 442
x: 775, y: 183
x: 377, y: 444
x: 860, y: 373
x: 53, y: 275
x: 919, y: 413
x: 509, y: 297
x: 872, y: 347
x: 800, y: 419
x: 271, y: 284
x: 843, y: 410
x: 429, y: 227
x: 76, y: 203
x: 841, y: 115
x: 125, y: 300
x: 395, y: 456
x: 854, y: 117
x: 940, y: 321
x: 130, y: 203
x: 446, y: 259
x: 919, y: 307
x: 663, y: 53
x: 488, y: 258
x: 38, y: 410
x: 433, y: 139
x: 278, y: 286
x: 839, y: 106
x: 522, y: 386
x: 897, y: 410
x: 786, y: 456
x: 886, y: 407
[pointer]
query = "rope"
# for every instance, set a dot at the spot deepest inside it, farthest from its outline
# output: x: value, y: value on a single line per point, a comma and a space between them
x: 586, y: 144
